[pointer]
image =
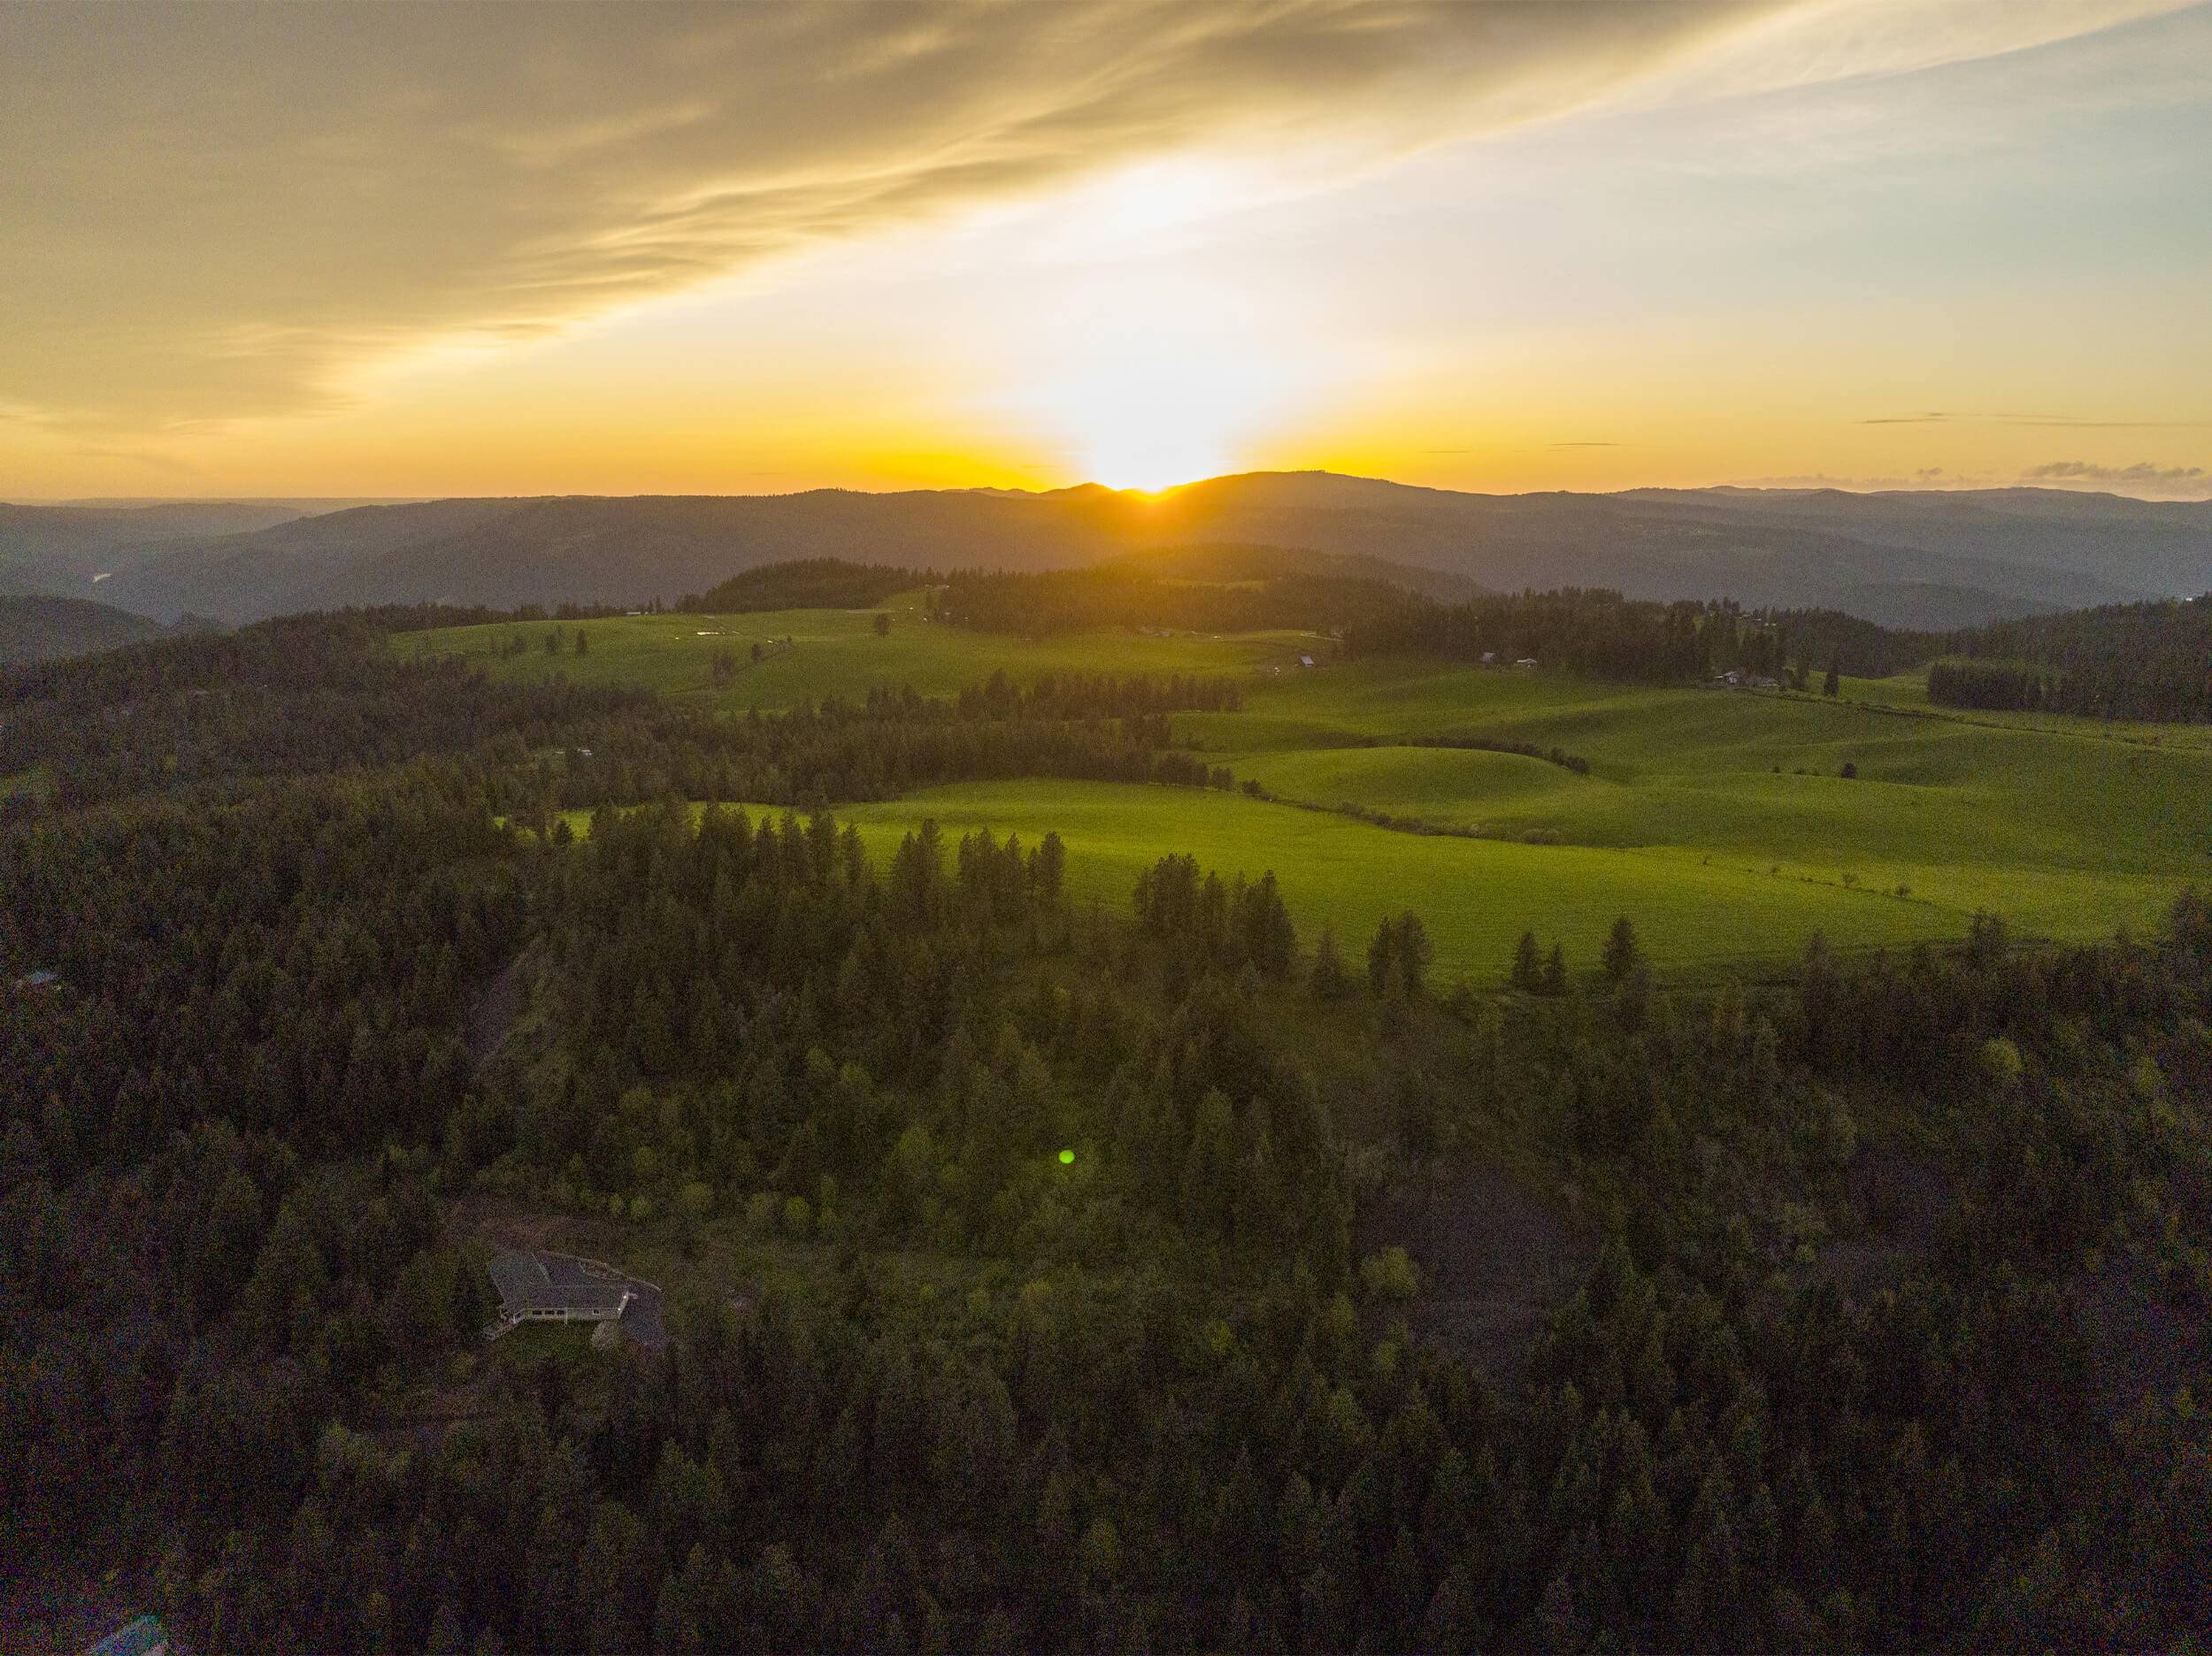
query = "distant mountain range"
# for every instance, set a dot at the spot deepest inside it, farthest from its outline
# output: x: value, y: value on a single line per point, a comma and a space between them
x: 1903, y: 558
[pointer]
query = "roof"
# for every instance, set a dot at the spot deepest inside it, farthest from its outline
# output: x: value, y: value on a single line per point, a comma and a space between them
x: 37, y: 979
x: 550, y: 1282
x: 145, y: 1636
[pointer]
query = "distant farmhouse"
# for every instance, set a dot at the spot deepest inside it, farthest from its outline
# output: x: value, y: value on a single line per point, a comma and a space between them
x: 1734, y: 680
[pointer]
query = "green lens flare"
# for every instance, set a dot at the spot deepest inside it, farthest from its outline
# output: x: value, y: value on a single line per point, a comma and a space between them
x: 1067, y: 1158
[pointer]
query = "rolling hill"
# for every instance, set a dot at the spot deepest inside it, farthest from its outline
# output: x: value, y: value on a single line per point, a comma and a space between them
x: 44, y: 629
x: 1903, y: 559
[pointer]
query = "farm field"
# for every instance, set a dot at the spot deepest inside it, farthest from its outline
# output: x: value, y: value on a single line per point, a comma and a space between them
x: 1475, y: 896
x: 833, y: 652
x: 1719, y: 822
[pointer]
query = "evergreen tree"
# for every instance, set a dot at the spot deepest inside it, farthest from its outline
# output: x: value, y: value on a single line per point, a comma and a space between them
x: 1621, y: 955
x: 1527, y: 965
x: 1329, y: 979
x: 1555, y: 979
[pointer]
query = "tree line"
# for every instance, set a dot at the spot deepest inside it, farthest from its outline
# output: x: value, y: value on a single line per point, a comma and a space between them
x: 1599, y: 633
x: 2143, y: 661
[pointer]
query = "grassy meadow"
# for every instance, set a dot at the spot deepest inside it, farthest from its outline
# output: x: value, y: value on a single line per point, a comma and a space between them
x: 1719, y: 822
x: 831, y: 653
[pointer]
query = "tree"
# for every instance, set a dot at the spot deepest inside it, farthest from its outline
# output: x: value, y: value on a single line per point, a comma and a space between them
x: 1329, y: 979
x: 1527, y: 965
x: 1621, y: 955
x: 1415, y: 952
x: 583, y: 642
x: 882, y: 624
x: 1832, y: 685
x: 1555, y: 971
x: 1047, y: 869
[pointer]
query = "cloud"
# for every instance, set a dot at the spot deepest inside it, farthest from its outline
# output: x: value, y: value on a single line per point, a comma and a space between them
x: 2142, y: 474
x: 211, y: 213
x: 2064, y: 422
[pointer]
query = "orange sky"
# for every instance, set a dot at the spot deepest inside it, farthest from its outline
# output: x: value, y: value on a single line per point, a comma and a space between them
x: 360, y: 250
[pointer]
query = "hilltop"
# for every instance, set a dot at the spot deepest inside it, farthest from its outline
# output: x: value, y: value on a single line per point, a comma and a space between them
x: 44, y: 629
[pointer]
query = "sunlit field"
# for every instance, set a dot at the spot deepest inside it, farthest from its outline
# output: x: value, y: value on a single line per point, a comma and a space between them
x: 1723, y: 824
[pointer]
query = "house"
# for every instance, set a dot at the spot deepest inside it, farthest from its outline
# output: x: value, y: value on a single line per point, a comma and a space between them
x: 1490, y: 658
x: 1761, y: 682
x: 1305, y: 661
x: 1525, y: 661
x: 40, y: 979
x: 549, y: 1288
x: 145, y: 1636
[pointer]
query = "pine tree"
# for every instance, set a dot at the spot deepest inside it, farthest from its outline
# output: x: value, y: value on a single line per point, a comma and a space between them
x: 1527, y: 965
x: 1621, y: 955
x: 1555, y: 981
x: 1381, y: 951
x: 1415, y: 952
x: 1329, y: 980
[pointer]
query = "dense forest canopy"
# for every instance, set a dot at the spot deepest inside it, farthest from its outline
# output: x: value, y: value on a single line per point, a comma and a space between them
x: 1608, y: 636
x: 807, y: 584
x: 2146, y: 661
x: 38, y: 629
x: 1097, y: 1302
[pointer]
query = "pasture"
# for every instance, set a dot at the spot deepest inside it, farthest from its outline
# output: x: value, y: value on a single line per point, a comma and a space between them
x: 831, y: 653
x: 1721, y: 823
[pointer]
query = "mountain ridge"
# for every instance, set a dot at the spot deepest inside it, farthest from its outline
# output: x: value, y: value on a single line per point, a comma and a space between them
x: 1899, y: 557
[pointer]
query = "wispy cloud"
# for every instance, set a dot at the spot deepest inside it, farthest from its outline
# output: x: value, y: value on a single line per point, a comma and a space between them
x: 216, y: 212
x: 2143, y: 478
x: 2057, y: 422
x: 2142, y: 474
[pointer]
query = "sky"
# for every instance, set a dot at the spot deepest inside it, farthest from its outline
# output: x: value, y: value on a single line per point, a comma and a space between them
x: 334, y: 249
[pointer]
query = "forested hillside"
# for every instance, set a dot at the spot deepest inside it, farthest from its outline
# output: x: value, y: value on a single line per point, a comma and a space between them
x: 1261, y: 589
x: 1042, y: 1274
x: 1608, y: 636
x: 38, y: 629
x: 2151, y: 661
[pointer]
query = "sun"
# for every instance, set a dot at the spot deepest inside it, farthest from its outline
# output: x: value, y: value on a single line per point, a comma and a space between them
x: 1150, y: 408
x: 1146, y: 379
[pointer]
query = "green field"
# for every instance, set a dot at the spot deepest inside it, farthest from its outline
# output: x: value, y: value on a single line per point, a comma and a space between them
x: 1718, y: 821
x: 833, y: 652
